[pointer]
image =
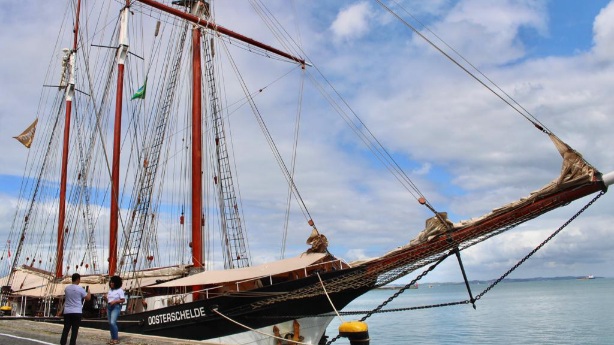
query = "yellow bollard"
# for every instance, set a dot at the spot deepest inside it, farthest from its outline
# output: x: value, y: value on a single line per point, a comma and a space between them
x: 357, y: 332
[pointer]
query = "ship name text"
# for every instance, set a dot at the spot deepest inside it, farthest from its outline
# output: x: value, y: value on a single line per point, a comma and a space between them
x: 176, y: 316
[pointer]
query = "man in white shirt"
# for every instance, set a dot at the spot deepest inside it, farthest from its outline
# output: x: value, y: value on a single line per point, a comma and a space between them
x: 73, y: 309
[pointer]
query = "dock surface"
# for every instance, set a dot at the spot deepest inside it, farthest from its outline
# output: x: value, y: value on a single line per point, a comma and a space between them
x: 26, y: 332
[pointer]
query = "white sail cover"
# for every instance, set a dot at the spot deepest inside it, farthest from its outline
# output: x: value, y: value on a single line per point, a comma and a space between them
x: 246, y: 273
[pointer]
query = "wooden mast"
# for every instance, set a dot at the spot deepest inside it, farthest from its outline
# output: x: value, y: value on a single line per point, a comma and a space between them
x: 197, y: 249
x: 70, y: 92
x: 200, y: 12
x: 122, y: 52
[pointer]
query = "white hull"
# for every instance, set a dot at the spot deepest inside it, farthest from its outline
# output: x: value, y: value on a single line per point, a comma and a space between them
x: 311, y: 330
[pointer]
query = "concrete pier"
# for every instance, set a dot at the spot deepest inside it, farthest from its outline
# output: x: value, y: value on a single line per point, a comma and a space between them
x: 26, y: 332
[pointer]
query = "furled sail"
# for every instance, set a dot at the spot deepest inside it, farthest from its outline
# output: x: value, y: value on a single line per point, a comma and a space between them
x: 575, y: 172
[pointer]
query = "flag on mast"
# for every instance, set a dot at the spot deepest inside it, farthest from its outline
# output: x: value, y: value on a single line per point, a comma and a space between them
x: 140, y: 93
x: 28, y: 135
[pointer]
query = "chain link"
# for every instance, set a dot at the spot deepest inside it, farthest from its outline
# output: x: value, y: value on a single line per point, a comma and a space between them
x: 407, y: 286
x: 539, y: 246
x: 480, y: 295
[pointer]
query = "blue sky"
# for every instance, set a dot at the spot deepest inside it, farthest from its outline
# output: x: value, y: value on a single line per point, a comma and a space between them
x: 463, y: 147
x: 570, y: 25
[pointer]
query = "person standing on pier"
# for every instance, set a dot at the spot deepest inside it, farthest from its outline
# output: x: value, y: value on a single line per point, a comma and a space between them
x: 73, y: 309
x: 115, y: 298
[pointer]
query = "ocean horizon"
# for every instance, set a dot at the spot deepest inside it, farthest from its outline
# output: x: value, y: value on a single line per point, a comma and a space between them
x: 526, y: 311
x: 489, y: 281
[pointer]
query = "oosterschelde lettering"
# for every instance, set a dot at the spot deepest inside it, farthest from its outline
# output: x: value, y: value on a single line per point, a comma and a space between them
x: 176, y: 316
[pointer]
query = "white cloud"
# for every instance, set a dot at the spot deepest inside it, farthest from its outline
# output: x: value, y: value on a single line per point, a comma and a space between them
x: 352, y: 22
x: 486, y: 32
x: 424, y: 169
x: 356, y: 254
x: 425, y: 111
x: 603, y: 31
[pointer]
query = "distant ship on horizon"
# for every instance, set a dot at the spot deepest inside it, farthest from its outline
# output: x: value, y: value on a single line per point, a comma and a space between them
x: 590, y: 276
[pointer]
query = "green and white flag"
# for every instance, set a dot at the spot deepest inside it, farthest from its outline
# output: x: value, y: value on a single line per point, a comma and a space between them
x: 140, y: 93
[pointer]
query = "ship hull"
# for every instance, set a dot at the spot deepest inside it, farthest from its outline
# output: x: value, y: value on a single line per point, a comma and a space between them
x: 200, y: 320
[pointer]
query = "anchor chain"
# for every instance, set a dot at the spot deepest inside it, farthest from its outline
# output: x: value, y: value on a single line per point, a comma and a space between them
x: 477, y: 297
x: 378, y: 309
x: 539, y: 246
x: 401, y: 290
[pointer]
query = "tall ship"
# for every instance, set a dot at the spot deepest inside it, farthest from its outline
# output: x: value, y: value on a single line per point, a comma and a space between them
x: 147, y: 161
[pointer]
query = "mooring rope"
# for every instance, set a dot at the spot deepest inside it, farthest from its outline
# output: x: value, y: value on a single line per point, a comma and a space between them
x: 327, y: 296
x: 255, y: 330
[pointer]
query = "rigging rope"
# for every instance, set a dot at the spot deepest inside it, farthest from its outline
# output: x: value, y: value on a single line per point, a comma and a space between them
x: 528, y: 116
x: 367, y: 137
x: 540, y: 245
x: 357, y: 125
x: 269, y: 139
x: 398, y: 293
x: 328, y: 297
x: 378, y: 309
x: 255, y: 330
x: 297, y: 126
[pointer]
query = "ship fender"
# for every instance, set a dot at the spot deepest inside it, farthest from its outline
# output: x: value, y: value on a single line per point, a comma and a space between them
x: 357, y: 332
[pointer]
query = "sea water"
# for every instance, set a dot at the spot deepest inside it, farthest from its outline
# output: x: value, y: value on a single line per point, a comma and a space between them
x: 568, y: 311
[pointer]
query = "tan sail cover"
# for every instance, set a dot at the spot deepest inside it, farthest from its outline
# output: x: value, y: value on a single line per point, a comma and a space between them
x: 43, y: 291
x: 246, y: 273
x: 27, y: 278
x: 574, y: 171
x: 98, y: 288
x: 33, y: 282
